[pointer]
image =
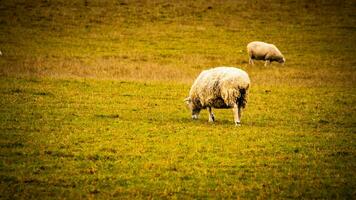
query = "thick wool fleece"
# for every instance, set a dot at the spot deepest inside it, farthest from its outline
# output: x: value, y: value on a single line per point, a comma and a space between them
x: 264, y: 51
x: 220, y: 87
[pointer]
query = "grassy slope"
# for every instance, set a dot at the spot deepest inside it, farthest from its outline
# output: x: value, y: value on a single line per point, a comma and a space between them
x: 173, y: 41
x: 131, y: 136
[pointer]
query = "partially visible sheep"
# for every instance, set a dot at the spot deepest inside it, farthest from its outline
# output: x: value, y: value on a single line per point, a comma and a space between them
x: 220, y: 87
x: 264, y: 51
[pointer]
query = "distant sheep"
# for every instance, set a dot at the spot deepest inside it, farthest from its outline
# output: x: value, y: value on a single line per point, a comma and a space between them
x: 264, y: 51
x: 220, y: 87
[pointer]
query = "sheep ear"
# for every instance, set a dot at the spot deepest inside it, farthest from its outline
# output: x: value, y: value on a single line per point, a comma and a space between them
x: 188, y: 100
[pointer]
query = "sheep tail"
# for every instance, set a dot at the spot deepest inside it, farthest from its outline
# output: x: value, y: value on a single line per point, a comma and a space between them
x: 242, y: 99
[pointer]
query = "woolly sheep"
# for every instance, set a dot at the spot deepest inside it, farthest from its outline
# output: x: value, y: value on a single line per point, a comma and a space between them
x: 264, y: 51
x: 220, y: 87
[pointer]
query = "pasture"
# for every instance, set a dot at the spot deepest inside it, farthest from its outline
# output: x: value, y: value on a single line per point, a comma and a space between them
x: 91, y: 100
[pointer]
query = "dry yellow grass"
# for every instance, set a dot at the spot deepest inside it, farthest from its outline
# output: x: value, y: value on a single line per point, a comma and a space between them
x: 136, y: 68
x: 174, y: 41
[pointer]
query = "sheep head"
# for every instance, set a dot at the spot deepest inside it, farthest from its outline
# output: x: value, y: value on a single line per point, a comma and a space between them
x: 193, y: 108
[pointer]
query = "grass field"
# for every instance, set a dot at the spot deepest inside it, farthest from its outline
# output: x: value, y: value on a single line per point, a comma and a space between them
x: 91, y: 100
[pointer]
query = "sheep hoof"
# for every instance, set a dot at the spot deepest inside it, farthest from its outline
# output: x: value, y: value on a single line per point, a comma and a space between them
x: 211, y: 118
x: 237, y: 124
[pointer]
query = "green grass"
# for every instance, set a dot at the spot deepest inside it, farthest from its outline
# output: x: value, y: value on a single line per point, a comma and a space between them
x: 82, y: 138
x: 91, y: 100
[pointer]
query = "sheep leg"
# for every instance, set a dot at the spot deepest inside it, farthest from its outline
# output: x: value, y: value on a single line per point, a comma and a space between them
x: 267, y: 62
x: 237, y: 114
x: 211, y: 115
x: 250, y: 61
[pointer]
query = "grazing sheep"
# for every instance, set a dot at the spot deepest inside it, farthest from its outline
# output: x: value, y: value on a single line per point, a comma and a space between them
x: 220, y: 87
x: 264, y: 51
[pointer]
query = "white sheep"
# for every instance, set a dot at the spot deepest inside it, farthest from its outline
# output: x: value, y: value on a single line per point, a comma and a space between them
x: 220, y: 87
x: 264, y: 51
